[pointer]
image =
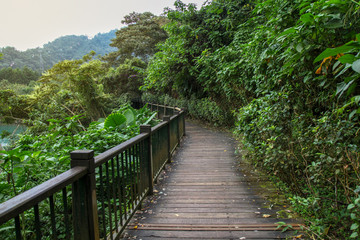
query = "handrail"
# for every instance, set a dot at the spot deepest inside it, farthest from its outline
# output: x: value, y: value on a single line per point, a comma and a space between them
x: 159, y: 126
x: 26, y: 200
x: 103, y: 157
x: 106, y: 189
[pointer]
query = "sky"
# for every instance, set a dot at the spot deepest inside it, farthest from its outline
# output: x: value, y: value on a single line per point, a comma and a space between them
x: 28, y: 24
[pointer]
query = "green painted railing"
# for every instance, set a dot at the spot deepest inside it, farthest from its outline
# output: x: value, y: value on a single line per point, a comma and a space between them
x: 97, y: 197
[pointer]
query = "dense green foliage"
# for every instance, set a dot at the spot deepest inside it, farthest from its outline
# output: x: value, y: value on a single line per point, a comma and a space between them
x: 204, y: 109
x: 21, y: 81
x: 125, y: 79
x: 297, y: 114
x: 75, y: 80
x: 63, y: 48
x: 37, y: 157
x: 21, y: 76
x: 13, y: 106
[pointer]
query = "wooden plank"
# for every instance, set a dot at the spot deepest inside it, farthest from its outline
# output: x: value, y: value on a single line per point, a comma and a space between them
x: 210, y: 195
x: 248, y: 209
x: 228, y: 227
x: 207, y: 215
x: 207, y: 188
x: 205, y: 183
x: 210, y: 234
x: 224, y: 198
x: 181, y: 238
x: 209, y: 206
x: 207, y: 201
x: 212, y: 205
x: 203, y: 221
x: 217, y: 226
x: 204, y: 196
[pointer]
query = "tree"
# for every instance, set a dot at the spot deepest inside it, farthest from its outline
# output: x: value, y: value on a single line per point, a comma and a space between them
x: 138, y: 39
x: 193, y: 34
x: 16, y: 75
x: 13, y: 107
x: 127, y: 78
x: 74, y: 85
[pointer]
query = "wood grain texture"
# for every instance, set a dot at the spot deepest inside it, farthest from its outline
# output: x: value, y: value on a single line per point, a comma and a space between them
x: 203, y: 195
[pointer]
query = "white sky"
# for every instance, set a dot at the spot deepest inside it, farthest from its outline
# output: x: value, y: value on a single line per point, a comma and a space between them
x: 31, y: 23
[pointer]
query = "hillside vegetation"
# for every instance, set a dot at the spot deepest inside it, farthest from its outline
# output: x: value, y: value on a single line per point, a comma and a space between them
x: 63, y: 48
x: 286, y: 75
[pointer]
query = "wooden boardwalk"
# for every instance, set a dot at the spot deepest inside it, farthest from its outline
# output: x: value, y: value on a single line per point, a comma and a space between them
x: 203, y: 195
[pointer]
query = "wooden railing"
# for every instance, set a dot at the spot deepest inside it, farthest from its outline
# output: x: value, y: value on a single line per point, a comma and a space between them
x: 105, y: 190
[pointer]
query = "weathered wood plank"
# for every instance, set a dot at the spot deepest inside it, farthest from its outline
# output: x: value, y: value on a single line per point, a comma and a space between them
x: 207, y: 215
x: 209, y: 234
x: 219, y: 209
x: 214, y: 221
x: 203, y: 196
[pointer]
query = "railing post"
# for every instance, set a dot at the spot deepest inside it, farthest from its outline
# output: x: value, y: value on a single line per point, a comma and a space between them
x: 167, y: 119
x: 178, y: 128
x: 85, y: 216
x: 183, y: 119
x: 147, y: 129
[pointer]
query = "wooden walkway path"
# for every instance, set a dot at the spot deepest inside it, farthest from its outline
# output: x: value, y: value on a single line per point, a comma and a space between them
x: 203, y: 195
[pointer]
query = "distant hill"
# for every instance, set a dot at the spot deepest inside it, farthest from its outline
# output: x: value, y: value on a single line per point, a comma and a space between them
x: 63, y: 48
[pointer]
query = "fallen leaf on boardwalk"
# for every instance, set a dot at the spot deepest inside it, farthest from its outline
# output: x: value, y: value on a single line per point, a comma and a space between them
x: 266, y: 215
x: 177, y: 215
x: 136, y: 227
x: 155, y: 191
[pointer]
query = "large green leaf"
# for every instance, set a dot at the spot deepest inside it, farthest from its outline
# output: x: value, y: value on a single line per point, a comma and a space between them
x: 334, y: 51
x: 348, y: 58
x: 130, y: 116
x: 307, y: 18
x: 115, y: 120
